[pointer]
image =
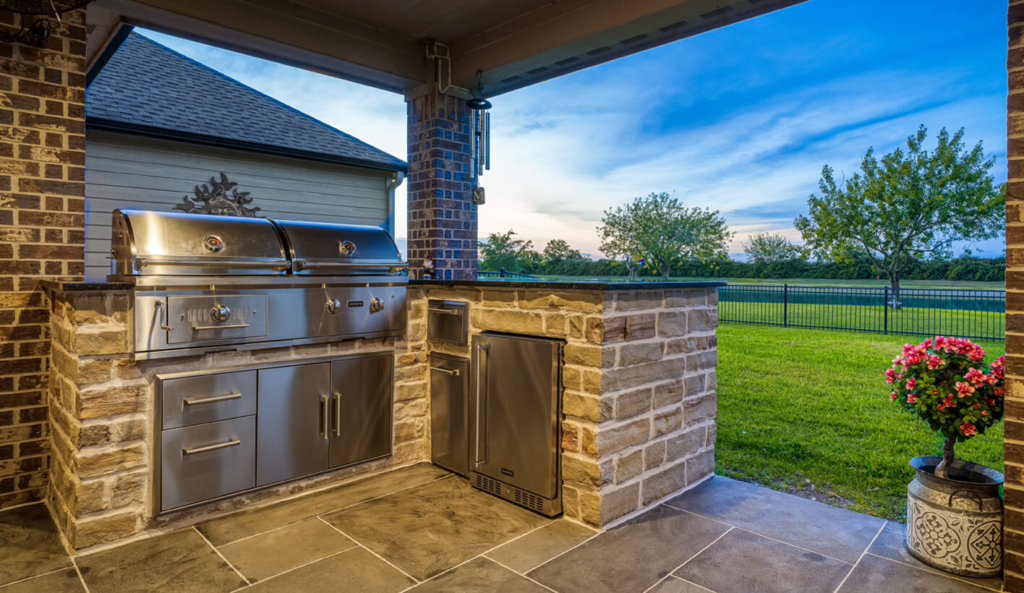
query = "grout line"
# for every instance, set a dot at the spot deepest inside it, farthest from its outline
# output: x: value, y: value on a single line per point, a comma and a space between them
x: 702, y: 587
x: 81, y: 579
x: 862, y: 554
x: 35, y: 576
x: 769, y: 537
x: 339, y: 509
x: 560, y: 554
x: 701, y: 551
x: 538, y: 583
x: 356, y: 542
x: 937, y: 572
x: 481, y: 555
x: 299, y: 566
x: 217, y: 552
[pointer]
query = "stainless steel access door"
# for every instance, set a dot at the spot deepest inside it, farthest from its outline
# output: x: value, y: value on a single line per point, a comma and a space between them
x: 293, y: 422
x: 360, y: 409
x: 514, y: 429
x: 449, y: 412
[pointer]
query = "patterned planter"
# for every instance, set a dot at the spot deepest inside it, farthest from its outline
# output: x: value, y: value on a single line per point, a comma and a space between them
x: 956, y: 524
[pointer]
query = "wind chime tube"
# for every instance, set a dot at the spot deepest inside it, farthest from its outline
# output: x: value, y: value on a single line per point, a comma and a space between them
x: 487, y: 140
x: 472, y: 139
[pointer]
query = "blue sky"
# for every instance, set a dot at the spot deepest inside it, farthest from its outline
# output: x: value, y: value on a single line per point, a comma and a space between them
x: 741, y: 119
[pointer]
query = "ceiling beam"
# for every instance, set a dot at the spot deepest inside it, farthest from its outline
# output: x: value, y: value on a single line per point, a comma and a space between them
x: 289, y: 33
x: 571, y: 35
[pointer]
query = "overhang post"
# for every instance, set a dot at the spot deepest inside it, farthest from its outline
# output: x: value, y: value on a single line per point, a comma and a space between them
x: 442, y: 219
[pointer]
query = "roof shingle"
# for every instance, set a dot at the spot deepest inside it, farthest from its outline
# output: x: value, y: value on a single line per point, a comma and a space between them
x: 147, y: 84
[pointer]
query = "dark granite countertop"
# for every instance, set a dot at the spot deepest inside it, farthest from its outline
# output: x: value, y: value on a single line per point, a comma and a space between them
x: 568, y: 284
x: 80, y: 286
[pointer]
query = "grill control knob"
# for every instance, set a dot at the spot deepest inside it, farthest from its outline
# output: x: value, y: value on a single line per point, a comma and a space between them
x: 333, y: 305
x: 376, y: 305
x: 220, y: 313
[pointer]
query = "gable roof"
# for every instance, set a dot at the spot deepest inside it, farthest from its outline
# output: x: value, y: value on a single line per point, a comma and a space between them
x: 147, y: 88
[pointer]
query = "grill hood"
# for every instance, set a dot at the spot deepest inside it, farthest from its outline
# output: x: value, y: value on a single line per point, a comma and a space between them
x: 151, y: 243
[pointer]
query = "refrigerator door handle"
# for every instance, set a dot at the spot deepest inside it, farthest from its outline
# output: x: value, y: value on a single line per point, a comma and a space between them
x: 480, y: 457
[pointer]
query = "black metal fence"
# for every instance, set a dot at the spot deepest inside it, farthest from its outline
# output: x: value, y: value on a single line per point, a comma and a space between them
x: 974, y: 314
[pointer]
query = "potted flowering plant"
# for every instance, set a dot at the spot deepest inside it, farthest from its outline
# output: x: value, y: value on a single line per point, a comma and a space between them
x: 954, y: 511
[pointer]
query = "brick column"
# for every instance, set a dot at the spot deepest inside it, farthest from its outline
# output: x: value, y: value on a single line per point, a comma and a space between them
x: 442, y: 216
x: 1014, y: 444
x: 42, y: 222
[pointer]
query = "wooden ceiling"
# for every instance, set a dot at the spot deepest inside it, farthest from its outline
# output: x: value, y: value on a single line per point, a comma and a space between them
x: 515, y: 43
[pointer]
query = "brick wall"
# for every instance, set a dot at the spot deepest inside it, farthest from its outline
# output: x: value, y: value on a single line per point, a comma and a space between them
x: 442, y: 216
x: 42, y: 221
x: 1014, y: 444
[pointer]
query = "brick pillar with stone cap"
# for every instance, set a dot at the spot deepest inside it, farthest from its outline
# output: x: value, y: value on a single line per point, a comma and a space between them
x: 442, y: 217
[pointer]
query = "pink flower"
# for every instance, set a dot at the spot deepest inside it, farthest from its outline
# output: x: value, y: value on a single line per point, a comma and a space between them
x: 999, y: 366
x: 890, y: 376
x: 964, y: 389
x: 975, y: 376
x: 893, y: 396
x: 984, y: 412
x: 977, y: 406
x: 941, y: 408
x: 990, y: 402
x: 911, y: 384
x: 949, y: 401
x: 968, y: 429
x: 934, y: 362
x: 998, y: 391
x: 911, y: 398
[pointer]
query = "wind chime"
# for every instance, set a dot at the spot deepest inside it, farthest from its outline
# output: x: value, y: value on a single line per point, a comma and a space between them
x: 480, y: 137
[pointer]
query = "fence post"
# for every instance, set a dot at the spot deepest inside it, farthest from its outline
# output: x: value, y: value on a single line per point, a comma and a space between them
x: 885, y: 309
x: 785, y: 305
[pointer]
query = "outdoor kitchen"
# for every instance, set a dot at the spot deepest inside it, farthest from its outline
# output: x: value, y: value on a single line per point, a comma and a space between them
x: 233, y: 362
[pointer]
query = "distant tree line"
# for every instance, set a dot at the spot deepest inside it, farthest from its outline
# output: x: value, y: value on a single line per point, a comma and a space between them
x: 899, y: 217
x: 858, y: 267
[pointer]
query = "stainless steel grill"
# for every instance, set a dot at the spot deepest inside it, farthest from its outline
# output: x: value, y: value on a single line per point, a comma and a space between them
x: 208, y: 283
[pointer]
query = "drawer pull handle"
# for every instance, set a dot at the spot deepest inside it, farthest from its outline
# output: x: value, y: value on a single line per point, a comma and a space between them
x: 218, y: 446
x: 453, y: 372
x: 195, y: 401
x: 446, y: 311
x: 235, y: 326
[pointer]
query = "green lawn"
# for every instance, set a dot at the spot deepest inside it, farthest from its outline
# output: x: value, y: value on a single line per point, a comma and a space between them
x: 817, y: 282
x: 807, y: 411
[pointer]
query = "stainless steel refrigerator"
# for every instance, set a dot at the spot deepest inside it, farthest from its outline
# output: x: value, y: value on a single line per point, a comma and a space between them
x: 515, y: 428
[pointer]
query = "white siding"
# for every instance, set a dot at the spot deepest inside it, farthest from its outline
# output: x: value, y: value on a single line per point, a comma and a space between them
x: 138, y: 172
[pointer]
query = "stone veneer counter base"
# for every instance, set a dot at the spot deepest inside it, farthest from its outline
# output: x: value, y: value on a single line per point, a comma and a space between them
x: 639, y: 403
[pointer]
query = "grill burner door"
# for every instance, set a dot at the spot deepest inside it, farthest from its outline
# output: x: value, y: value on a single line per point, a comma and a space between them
x: 208, y: 318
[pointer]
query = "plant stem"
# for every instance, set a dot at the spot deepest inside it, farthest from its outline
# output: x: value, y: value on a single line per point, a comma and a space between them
x: 948, y: 455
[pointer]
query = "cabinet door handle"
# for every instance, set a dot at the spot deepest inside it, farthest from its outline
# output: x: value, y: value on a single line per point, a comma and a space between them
x: 337, y: 414
x: 324, y: 417
x: 453, y: 372
x: 195, y: 401
x: 481, y: 399
x: 225, y: 445
x: 159, y: 307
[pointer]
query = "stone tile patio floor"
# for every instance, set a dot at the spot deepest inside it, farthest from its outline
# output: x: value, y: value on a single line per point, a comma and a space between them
x: 421, y: 529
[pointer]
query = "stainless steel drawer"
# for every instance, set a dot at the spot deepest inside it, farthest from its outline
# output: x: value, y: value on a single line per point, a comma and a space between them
x: 207, y: 398
x: 448, y: 321
x: 220, y: 317
x: 206, y: 461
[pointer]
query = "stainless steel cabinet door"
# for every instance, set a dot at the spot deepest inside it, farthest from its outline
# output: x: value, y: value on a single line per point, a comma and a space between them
x: 449, y: 412
x: 514, y: 429
x: 293, y: 422
x: 360, y: 409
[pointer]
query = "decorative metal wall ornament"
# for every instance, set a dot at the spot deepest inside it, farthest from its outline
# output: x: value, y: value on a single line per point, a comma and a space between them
x: 215, y: 200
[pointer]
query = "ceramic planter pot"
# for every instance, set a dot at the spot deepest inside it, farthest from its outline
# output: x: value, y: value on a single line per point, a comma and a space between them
x: 956, y: 524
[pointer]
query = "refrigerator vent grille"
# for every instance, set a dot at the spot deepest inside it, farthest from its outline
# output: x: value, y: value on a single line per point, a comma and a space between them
x: 488, y: 485
x: 529, y: 500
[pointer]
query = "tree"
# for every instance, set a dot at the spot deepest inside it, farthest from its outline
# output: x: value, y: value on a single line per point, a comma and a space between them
x: 912, y: 204
x: 662, y: 231
x: 501, y: 250
x: 769, y: 248
x: 558, y: 250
